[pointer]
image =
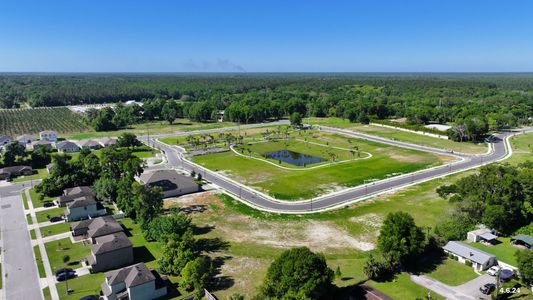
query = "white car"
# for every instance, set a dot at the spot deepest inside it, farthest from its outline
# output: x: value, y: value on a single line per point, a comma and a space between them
x: 493, y: 270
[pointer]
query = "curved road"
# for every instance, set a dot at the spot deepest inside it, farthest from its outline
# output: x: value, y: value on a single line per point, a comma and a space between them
x: 264, y: 202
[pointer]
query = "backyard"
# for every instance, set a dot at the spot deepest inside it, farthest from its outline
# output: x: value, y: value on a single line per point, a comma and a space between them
x: 503, y: 251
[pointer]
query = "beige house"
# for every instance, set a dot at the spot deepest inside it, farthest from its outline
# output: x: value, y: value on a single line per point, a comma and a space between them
x: 97, y: 227
x: 135, y: 282
x: 172, y: 183
x: 48, y: 135
x: 12, y: 172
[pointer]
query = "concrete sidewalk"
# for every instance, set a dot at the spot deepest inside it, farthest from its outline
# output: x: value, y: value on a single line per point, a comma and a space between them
x: 440, y: 288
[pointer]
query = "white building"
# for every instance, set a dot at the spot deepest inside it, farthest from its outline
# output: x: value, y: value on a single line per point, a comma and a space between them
x: 466, y: 254
x: 48, y: 135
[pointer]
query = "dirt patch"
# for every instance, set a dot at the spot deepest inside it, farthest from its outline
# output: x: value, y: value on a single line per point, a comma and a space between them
x: 405, y: 158
x: 203, y: 198
x: 369, y: 220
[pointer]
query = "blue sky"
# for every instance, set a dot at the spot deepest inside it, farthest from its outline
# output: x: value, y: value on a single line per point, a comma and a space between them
x: 266, y: 36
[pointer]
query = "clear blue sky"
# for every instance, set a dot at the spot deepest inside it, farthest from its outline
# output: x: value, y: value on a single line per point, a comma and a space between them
x: 266, y: 36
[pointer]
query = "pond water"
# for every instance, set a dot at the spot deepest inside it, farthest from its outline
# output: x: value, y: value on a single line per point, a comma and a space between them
x: 294, y: 158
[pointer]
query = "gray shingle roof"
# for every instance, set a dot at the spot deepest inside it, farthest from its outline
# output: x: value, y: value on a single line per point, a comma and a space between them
x: 111, y: 242
x: 103, y: 226
x: 66, y: 145
x: 468, y: 252
x: 15, y: 169
x: 82, y: 202
x: 168, y: 180
x: 131, y: 276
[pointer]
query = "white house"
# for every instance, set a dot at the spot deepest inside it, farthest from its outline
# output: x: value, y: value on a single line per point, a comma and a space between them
x: 133, y: 282
x: 48, y: 135
x: 481, y: 235
x: 26, y: 139
x: 84, y: 208
x: 466, y: 254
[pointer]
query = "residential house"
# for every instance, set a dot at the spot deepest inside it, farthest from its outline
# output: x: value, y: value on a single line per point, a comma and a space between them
x: 42, y: 143
x: 75, y: 193
x: 135, y: 282
x: 220, y: 116
x: 466, y: 254
x: 96, y: 227
x: 481, y: 234
x: 67, y: 147
x: 91, y: 144
x: 14, y: 171
x: 84, y: 208
x: 106, y: 142
x: 172, y: 183
x: 4, y: 140
x: 523, y: 240
x: 26, y: 139
x: 48, y: 135
x: 110, y: 252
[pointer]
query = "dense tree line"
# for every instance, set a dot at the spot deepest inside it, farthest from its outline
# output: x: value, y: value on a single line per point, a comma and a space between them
x: 500, y: 197
x: 473, y: 103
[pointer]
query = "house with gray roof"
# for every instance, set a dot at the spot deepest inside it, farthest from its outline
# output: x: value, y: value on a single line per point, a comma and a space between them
x: 106, y: 142
x: 91, y: 144
x: 15, y: 171
x: 4, y: 140
x: 110, y: 252
x: 48, y: 135
x: 42, y: 143
x: 96, y: 227
x: 75, y: 193
x: 67, y: 147
x: 26, y: 139
x: 84, y: 208
x: 133, y: 282
x: 466, y: 254
x: 172, y: 183
x: 482, y: 234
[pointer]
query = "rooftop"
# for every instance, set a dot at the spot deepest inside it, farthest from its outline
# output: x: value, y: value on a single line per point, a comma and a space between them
x: 131, y: 276
x: 167, y: 179
x: 468, y: 252
x: 111, y: 242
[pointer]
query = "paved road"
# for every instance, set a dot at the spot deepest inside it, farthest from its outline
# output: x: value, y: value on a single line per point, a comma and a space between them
x: 21, y: 278
x: 264, y: 202
x: 440, y: 288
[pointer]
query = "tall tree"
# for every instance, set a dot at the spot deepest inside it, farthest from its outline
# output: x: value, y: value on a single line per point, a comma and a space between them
x: 400, y: 238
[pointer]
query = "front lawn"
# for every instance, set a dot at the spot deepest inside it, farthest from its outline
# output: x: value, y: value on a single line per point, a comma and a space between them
x: 36, y: 200
x: 503, y: 251
x: 41, y: 173
x: 403, y: 288
x: 453, y: 273
x: 82, y: 286
x: 52, y: 230
x: 56, y: 250
x: 44, y: 215
x: 522, y: 148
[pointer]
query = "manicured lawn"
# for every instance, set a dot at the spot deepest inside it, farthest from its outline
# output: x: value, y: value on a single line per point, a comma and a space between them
x: 36, y: 200
x: 521, y: 291
x: 403, y: 288
x: 503, y: 251
x: 522, y: 146
x: 46, y: 293
x: 82, y: 286
x: 25, y: 200
x: 453, y: 273
x: 39, y: 261
x: 400, y: 135
x: 143, y: 251
x: 144, y: 152
x: 56, y: 250
x: 44, y: 215
x: 285, y: 184
x: 52, y: 229
x: 41, y: 173
x: 28, y: 219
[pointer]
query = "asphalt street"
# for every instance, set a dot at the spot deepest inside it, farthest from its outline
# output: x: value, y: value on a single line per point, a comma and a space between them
x: 21, y: 278
x: 264, y: 202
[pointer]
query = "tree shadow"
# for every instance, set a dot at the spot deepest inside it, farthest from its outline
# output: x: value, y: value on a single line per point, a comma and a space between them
x: 212, y: 245
x: 142, y: 254
x: 220, y: 282
x: 199, y: 230
x: 427, y: 264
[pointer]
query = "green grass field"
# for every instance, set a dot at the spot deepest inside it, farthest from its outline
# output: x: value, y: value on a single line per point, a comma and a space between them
x: 35, y: 199
x: 44, y: 215
x: 453, y: 273
x: 52, y: 230
x: 285, y: 184
x: 39, y: 261
x: 156, y: 127
x: 522, y: 146
x: 503, y: 251
x: 403, y: 288
x: 400, y: 135
x: 41, y: 173
x: 56, y: 250
x: 81, y: 286
x: 46, y: 293
x: 24, y: 200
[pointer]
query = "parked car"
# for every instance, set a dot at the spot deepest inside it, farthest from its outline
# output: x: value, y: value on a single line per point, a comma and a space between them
x: 56, y: 219
x: 493, y: 270
x: 48, y: 204
x: 63, y: 270
x: 90, y: 297
x: 66, y: 275
x: 487, y: 288
x: 506, y: 275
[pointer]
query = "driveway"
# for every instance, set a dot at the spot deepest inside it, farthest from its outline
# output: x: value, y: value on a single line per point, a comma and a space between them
x: 21, y: 279
x: 472, y: 287
x: 440, y: 288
